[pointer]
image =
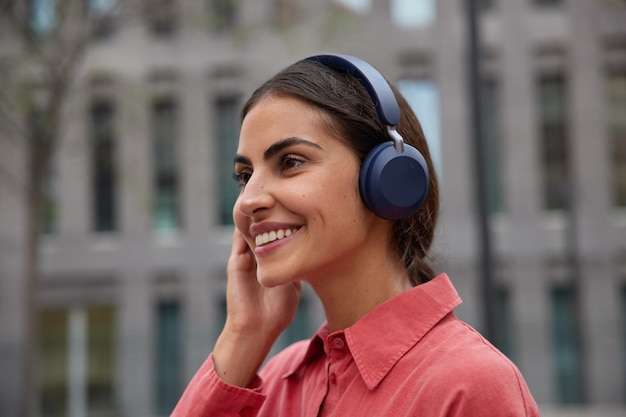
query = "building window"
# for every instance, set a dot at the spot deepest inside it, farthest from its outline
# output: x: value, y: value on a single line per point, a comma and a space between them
x: 547, y: 3
x: 53, y: 362
x: 101, y: 7
x: 423, y: 97
x: 166, y: 207
x: 554, y: 147
x: 566, y: 350
x: 169, y: 380
x: 616, y: 115
x: 226, y: 116
x: 48, y: 220
x: 492, y: 135
x: 77, y: 362
x: 413, y: 13
x: 487, y: 5
x: 100, y: 13
x: 49, y: 199
x: 223, y: 14
x: 104, y: 181
x: 359, y: 6
x: 100, y: 360
x: 299, y: 329
x: 43, y: 16
x: 162, y: 17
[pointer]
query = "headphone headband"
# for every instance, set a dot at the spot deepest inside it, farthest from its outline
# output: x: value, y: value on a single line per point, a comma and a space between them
x: 393, y: 180
x: 375, y: 84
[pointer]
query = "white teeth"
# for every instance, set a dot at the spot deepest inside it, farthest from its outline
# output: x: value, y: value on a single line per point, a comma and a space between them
x: 263, y: 238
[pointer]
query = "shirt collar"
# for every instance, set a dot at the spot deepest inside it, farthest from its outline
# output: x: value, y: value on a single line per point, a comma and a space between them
x: 406, y: 320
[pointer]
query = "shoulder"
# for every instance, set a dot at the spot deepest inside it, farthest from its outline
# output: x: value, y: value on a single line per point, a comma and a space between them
x: 469, y: 374
x: 455, y: 348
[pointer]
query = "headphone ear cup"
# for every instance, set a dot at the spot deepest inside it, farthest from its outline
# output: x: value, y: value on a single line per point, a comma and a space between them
x: 393, y: 184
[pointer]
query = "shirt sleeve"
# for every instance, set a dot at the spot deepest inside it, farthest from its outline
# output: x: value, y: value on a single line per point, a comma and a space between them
x: 208, y: 395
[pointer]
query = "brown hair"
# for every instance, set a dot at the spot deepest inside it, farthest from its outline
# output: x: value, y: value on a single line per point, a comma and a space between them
x: 352, y: 116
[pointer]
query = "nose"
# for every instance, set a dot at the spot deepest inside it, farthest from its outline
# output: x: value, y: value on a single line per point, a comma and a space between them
x: 255, y: 196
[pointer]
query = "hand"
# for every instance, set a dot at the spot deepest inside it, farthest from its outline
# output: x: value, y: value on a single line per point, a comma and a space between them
x: 250, y: 306
x: 256, y: 316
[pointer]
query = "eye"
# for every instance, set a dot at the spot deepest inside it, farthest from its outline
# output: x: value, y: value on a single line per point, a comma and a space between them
x: 242, y: 177
x: 290, y: 161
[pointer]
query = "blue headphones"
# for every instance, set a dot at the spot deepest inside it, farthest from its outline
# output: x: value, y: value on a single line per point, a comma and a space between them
x: 393, y: 181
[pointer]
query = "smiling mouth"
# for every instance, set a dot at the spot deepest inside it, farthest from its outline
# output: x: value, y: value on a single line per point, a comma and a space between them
x: 267, y: 237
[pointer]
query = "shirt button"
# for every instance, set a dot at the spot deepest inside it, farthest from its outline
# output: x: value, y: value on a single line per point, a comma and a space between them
x: 246, y: 412
x: 333, y: 379
x: 338, y: 343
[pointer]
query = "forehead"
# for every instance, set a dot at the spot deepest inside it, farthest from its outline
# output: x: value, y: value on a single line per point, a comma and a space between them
x: 274, y: 107
x: 278, y: 117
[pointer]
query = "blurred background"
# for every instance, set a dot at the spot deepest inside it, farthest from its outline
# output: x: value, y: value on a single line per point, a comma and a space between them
x: 118, y: 125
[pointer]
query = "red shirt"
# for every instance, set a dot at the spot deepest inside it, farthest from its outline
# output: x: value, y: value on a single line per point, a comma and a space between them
x: 409, y: 356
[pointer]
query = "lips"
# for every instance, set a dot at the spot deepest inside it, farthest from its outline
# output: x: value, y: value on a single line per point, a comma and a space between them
x: 273, y: 235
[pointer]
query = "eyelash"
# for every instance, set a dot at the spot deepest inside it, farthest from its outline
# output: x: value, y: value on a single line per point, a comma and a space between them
x: 243, y: 176
x: 289, y: 158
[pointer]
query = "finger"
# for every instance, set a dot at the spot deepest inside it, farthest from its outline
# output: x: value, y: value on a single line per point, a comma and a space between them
x: 241, y: 257
x: 239, y: 243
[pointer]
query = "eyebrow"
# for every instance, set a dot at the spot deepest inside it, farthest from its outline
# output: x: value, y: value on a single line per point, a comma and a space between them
x: 278, y: 147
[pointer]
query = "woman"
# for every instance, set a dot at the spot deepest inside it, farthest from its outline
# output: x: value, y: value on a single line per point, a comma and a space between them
x: 391, y: 345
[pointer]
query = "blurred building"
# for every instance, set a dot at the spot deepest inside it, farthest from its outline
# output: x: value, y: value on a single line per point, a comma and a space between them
x: 138, y: 224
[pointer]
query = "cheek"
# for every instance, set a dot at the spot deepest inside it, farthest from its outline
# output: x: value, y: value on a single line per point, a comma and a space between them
x: 347, y: 204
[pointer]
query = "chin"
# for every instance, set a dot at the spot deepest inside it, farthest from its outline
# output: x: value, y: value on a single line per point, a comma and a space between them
x: 267, y: 280
x: 272, y: 280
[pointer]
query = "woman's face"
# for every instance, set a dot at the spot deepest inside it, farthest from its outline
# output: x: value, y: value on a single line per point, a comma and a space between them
x: 299, y: 208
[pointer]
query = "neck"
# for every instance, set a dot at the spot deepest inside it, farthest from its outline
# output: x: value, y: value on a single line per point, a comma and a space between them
x: 350, y: 294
